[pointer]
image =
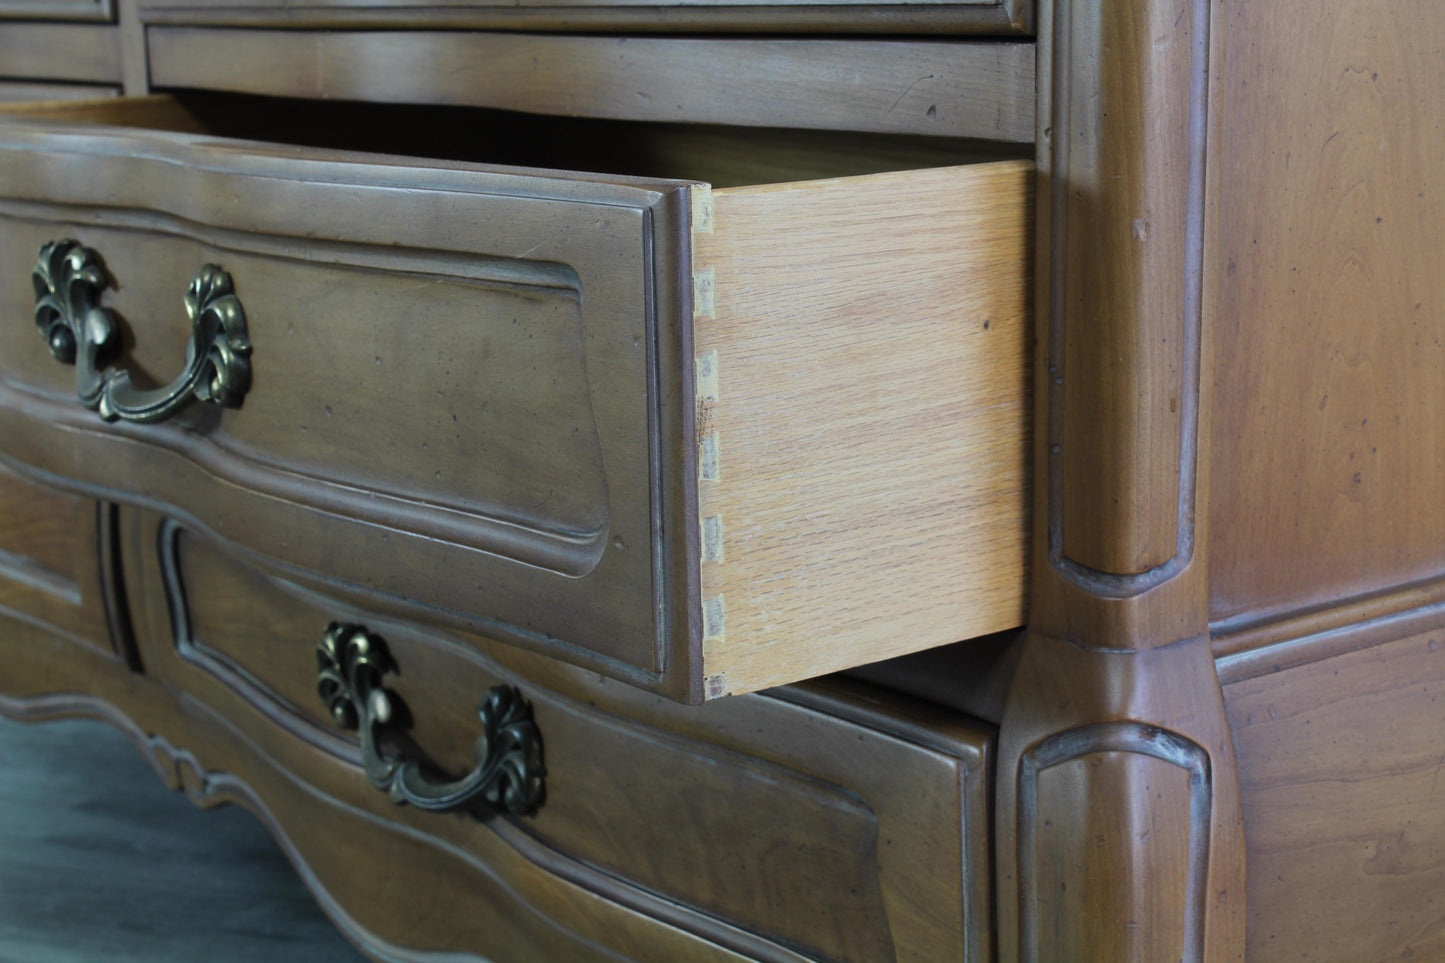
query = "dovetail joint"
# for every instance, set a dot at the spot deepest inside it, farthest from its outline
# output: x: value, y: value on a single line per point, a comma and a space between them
x: 712, y: 618
x: 704, y: 293
x: 712, y: 539
x: 708, y: 462
x: 707, y: 389
x: 701, y: 195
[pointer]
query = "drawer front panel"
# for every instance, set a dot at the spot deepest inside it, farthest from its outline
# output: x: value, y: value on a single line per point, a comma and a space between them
x: 806, y: 821
x: 57, y: 10
x: 71, y: 52
x: 414, y: 380
x: 459, y: 366
x: 999, y: 17
x: 51, y: 545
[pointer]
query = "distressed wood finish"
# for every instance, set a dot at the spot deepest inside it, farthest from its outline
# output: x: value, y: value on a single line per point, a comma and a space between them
x: 876, y: 841
x: 14, y: 91
x: 506, y: 478
x: 624, y: 774
x: 103, y: 10
x: 1119, y: 832
x: 1326, y: 518
x: 1333, y: 346
x: 825, y: 375
x: 51, y: 547
x: 82, y: 53
x: 1000, y: 17
x: 502, y: 902
x: 1009, y: 18
x: 1339, y: 772
x: 942, y: 89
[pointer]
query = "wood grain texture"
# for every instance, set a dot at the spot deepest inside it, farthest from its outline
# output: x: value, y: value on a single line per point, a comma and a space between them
x: 1010, y: 18
x: 102, y: 10
x: 155, y: 112
x: 1331, y: 344
x: 83, y: 53
x: 50, y: 575
x: 983, y: 90
x: 504, y: 905
x: 425, y: 248
x: 874, y: 803
x: 1074, y: 867
x: 1119, y: 832
x: 1114, y: 729
x: 18, y: 91
x: 861, y: 419
x: 1340, y: 770
x: 478, y: 368
x: 323, y: 837
x: 1124, y: 329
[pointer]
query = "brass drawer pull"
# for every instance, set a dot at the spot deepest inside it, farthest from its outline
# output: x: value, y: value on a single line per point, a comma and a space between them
x: 68, y: 282
x: 509, y: 771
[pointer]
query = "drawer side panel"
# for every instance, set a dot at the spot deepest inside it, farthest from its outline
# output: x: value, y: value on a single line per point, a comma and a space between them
x: 862, y: 375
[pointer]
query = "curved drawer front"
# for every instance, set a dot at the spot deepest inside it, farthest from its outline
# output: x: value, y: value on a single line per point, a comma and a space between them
x: 640, y: 425
x: 52, y: 547
x: 451, y: 389
x: 843, y: 824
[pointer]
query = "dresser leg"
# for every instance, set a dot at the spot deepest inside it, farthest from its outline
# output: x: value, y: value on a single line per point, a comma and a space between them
x: 1119, y: 830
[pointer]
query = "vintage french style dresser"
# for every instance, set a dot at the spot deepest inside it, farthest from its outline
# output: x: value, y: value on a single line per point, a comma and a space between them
x: 674, y: 481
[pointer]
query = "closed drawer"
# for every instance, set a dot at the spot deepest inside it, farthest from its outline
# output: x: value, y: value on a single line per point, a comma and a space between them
x: 822, y: 823
x: 72, y: 53
x: 52, y: 548
x: 705, y: 441
x: 999, y: 17
x: 57, y: 10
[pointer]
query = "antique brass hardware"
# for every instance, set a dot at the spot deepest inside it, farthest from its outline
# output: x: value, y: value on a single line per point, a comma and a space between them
x: 68, y: 283
x: 509, y: 772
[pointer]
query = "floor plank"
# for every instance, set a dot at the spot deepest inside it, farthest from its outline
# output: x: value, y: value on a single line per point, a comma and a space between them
x: 99, y: 861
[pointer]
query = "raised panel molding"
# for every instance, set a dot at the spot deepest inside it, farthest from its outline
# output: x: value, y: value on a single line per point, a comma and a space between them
x: 1087, y: 743
x: 1123, y: 429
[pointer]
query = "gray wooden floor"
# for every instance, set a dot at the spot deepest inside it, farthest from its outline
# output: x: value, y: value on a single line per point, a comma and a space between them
x: 100, y: 863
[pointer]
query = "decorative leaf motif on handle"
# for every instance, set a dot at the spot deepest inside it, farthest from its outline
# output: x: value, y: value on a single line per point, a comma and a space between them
x: 509, y: 771
x: 69, y: 279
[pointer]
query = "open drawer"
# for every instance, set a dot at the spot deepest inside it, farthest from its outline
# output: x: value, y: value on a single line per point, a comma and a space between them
x: 702, y: 440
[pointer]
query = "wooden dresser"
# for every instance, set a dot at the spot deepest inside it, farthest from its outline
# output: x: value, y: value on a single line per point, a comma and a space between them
x: 748, y: 481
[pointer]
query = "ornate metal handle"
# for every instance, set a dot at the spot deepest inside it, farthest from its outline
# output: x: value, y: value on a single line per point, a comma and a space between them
x: 509, y: 770
x: 68, y: 283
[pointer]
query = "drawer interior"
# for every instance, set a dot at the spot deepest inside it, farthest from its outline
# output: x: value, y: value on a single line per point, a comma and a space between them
x: 722, y: 156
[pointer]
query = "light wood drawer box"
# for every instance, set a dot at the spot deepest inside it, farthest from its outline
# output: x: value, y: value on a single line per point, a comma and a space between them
x: 705, y: 441
x: 829, y: 822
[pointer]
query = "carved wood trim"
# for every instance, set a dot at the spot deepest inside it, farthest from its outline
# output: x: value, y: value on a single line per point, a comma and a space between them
x: 255, y: 692
x: 181, y: 769
x: 1131, y: 737
x: 640, y: 642
x: 1245, y: 649
x: 112, y: 585
x: 28, y: 572
x: 1109, y: 304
